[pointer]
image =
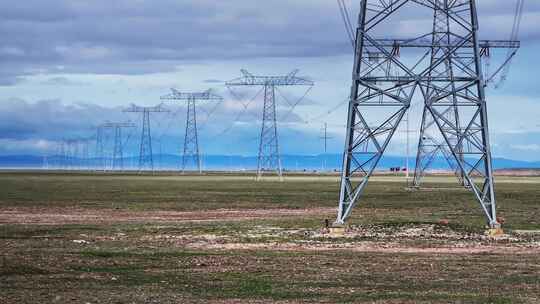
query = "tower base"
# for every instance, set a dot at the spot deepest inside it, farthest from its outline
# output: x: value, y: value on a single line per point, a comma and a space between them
x: 495, y: 232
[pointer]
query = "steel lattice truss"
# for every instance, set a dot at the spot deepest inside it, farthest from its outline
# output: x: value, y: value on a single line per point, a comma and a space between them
x: 100, y: 149
x: 146, y: 156
x: 443, y: 67
x: 269, y: 158
x: 191, y: 137
x: 74, y: 154
x: 118, y: 147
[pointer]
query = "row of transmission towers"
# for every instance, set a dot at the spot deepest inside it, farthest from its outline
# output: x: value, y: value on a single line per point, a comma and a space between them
x: 74, y: 154
x: 117, y: 159
x: 269, y: 157
x: 70, y: 154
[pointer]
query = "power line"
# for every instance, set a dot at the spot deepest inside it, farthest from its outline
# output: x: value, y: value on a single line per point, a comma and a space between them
x: 346, y: 21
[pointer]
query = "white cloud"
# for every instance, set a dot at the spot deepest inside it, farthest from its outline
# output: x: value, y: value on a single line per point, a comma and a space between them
x: 530, y: 147
x: 27, y: 146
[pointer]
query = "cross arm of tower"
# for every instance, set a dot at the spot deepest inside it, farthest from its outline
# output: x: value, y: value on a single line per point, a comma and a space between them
x: 72, y: 141
x: 326, y: 137
x: 118, y: 124
x: 249, y: 79
x: 137, y: 109
x: 426, y: 42
x: 206, y: 95
x: 429, y: 3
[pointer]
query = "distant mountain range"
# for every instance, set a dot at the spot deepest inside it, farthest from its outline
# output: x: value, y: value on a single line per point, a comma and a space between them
x: 326, y: 162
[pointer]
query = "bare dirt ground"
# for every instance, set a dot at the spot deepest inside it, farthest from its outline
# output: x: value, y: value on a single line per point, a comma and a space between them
x: 63, y: 216
x: 421, y: 238
x: 413, y: 238
x: 140, y: 240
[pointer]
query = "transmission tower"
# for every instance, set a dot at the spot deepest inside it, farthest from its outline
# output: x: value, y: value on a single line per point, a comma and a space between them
x: 430, y: 143
x: 61, y: 154
x: 325, y: 137
x: 74, y: 153
x: 191, y: 137
x: 70, y: 153
x: 118, y: 148
x: 269, y: 155
x: 446, y: 73
x: 100, y: 149
x: 82, y: 152
x: 146, y: 158
x: 62, y: 159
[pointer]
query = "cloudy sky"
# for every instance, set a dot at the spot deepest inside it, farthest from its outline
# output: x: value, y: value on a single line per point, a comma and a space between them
x: 68, y: 65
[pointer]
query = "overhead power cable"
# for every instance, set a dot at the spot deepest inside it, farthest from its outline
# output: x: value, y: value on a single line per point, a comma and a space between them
x: 245, y: 106
x: 293, y: 105
x: 504, y: 70
x: 346, y: 21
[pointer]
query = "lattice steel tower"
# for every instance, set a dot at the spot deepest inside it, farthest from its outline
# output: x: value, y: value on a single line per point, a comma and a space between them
x: 269, y: 155
x: 191, y: 137
x: 146, y: 156
x: 100, y: 149
x: 118, y: 148
x: 431, y: 142
x: 442, y: 67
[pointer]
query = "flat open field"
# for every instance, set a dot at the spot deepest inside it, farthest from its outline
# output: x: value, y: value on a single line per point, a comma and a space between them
x: 81, y: 238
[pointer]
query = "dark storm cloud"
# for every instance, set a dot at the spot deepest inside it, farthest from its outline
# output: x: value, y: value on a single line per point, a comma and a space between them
x: 51, y: 119
x: 146, y: 36
x: 54, y: 120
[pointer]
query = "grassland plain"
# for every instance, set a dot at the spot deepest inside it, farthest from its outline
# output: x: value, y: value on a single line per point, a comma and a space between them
x: 98, y: 238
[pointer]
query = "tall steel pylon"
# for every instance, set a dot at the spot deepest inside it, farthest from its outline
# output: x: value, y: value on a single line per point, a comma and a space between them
x: 118, y: 148
x: 431, y: 142
x: 72, y: 156
x: 86, y: 153
x: 146, y: 157
x: 75, y: 153
x: 325, y: 137
x: 191, y: 137
x: 446, y: 74
x: 100, y: 149
x: 61, y: 161
x: 269, y: 158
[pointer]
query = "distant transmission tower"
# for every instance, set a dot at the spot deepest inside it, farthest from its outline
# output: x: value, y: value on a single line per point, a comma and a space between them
x: 430, y: 143
x: 445, y: 69
x: 325, y: 137
x: 118, y: 148
x: 71, y: 153
x: 61, y: 155
x: 269, y: 155
x: 191, y: 137
x: 84, y: 152
x: 146, y: 157
x: 100, y: 149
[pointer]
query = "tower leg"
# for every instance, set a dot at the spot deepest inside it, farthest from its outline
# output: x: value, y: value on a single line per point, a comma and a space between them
x: 191, y: 138
x: 467, y: 138
x: 431, y: 144
x: 100, y: 157
x: 269, y: 157
x: 145, y: 154
x: 118, y: 157
x: 384, y: 103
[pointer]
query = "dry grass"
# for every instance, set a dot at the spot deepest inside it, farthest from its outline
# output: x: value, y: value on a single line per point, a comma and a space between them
x: 170, y: 239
